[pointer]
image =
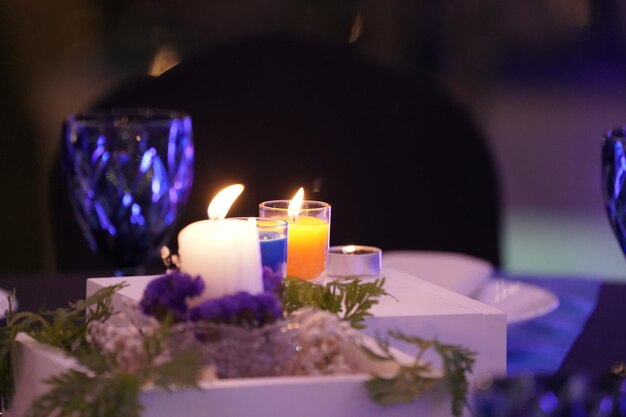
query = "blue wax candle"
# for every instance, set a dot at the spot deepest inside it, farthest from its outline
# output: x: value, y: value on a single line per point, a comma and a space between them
x: 274, y: 260
x: 274, y: 253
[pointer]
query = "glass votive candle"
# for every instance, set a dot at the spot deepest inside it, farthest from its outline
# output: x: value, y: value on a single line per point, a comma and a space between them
x: 308, y: 236
x: 350, y: 260
x: 273, y: 246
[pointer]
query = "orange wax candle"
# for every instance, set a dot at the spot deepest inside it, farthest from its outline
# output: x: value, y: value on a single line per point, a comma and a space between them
x: 307, y: 247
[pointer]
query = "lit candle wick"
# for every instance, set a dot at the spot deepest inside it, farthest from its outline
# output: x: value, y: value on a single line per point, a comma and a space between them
x: 349, y: 249
x: 295, y: 205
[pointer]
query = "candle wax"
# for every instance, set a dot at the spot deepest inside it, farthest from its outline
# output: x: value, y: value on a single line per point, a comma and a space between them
x: 274, y: 254
x: 274, y: 260
x: 307, y: 247
x: 224, y: 253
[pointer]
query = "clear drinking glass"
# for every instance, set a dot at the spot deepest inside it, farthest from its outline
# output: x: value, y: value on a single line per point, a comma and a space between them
x: 128, y: 173
x: 273, y: 246
x: 308, y: 236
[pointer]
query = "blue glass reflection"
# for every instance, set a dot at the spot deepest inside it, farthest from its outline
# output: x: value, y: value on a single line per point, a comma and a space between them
x: 127, y: 200
x: 129, y: 176
x: 548, y: 402
x: 613, y: 177
x: 606, y: 405
x: 146, y: 161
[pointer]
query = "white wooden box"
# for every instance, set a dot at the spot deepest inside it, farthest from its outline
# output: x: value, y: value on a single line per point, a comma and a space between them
x: 426, y: 310
x: 419, y: 308
x: 328, y: 396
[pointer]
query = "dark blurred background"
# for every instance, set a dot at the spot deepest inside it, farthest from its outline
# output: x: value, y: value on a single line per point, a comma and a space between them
x: 544, y: 79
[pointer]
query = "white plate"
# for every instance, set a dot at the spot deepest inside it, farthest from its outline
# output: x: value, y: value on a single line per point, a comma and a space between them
x: 473, y: 277
x: 520, y: 301
x: 457, y: 272
x: 4, y: 302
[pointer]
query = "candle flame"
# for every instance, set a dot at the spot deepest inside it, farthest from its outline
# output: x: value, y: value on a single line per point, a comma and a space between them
x: 223, y: 200
x: 295, y: 204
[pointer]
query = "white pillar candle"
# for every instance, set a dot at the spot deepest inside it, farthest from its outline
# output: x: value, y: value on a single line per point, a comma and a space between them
x: 224, y: 253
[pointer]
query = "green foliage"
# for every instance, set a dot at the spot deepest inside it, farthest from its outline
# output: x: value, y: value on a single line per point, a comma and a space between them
x: 113, y: 392
x: 77, y: 394
x: 103, y: 388
x: 411, y: 381
x: 65, y: 328
x: 406, y: 386
x: 350, y: 297
x: 457, y: 363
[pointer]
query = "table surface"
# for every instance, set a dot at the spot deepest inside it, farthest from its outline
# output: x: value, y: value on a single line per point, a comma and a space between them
x: 601, y: 343
x: 579, y: 336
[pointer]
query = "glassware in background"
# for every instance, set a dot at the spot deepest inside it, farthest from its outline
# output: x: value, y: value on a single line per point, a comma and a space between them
x: 560, y: 395
x: 309, y: 233
x: 613, y: 181
x: 129, y: 174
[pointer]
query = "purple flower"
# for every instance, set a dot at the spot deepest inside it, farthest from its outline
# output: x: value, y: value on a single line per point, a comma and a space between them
x: 242, y: 308
x: 229, y: 307
x: 208, y: 310
x: 168, y: 294
x: 268, y: 306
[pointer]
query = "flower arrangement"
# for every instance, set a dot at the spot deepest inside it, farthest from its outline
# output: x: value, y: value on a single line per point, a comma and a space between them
x: 170, y: 339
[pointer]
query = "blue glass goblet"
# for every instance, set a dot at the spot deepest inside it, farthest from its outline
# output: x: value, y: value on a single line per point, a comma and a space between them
x: 613, y: 181
x: 129, y: 173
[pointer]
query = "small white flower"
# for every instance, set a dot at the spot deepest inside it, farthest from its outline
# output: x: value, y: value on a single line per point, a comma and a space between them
x: 326, y: 342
